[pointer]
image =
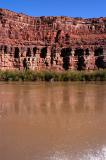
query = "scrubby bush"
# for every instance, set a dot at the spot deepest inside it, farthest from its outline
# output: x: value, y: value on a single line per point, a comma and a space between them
x: 29, y: 75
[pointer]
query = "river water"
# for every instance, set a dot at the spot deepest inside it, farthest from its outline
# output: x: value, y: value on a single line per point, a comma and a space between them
x: 52, y: 121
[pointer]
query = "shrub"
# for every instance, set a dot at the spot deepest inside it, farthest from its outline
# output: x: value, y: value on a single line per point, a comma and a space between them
x: 29, y: 75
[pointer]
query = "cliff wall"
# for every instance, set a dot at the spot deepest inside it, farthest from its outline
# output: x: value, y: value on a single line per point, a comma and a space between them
x: 57, y: 43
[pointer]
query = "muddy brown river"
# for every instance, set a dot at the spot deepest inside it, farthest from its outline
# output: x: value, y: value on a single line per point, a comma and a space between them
x: 52, y: 121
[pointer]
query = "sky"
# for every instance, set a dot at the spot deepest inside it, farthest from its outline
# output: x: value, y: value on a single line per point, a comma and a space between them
x: 72, y: 8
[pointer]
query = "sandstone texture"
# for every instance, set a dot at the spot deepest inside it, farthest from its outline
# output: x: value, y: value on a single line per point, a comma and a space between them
x: 51, y: 43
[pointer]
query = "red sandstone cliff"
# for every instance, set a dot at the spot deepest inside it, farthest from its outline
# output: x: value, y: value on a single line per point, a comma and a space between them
x: 56, y: 33
x: 20, y: 29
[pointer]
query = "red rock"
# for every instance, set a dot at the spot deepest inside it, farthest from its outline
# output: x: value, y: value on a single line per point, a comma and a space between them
x: 20, y: 34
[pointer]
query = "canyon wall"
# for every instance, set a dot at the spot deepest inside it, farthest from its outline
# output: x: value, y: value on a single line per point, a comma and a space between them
x: 51, y: 43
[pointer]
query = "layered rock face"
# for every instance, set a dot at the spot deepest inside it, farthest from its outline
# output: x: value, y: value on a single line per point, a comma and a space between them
x: 51, y: 43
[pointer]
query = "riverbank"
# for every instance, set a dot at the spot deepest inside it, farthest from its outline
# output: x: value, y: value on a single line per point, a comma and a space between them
x: 98, y: 75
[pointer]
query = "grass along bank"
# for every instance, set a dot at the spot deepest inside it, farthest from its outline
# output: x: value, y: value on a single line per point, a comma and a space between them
x: 98, y: 75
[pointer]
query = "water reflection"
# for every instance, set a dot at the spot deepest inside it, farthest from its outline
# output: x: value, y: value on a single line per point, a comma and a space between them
x: 99, y: 154
x: 53, y: 121
x: 51, y: 99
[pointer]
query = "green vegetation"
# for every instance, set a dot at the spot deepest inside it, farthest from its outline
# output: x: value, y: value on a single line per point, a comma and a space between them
x: 98, y: 75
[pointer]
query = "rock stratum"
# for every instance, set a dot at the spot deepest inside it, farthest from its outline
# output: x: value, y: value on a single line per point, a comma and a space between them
x: 51, y: 43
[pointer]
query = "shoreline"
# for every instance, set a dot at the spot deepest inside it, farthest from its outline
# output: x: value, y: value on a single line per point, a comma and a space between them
x: 52, y: 76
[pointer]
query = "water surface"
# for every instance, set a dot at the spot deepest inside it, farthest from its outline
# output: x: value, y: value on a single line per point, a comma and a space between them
x: 52, y: 121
